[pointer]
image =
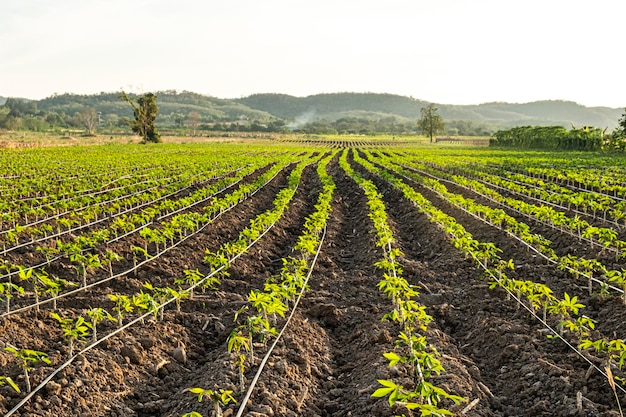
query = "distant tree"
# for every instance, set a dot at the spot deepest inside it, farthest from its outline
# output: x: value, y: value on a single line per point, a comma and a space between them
x: 18, y: 107
x: 193, y: 119
x: 145, y: 111
x: 178, y: 118
x: 616, y: 141
x: 622, y: 125
x: 88, y: 118
x: 430, y: 122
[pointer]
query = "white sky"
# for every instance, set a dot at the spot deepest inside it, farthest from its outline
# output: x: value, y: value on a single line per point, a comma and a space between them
x: 444, y: 51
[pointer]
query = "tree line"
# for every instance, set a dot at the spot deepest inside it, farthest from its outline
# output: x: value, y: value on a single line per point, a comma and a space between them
x: 185, y: 115
x: 587, y: 138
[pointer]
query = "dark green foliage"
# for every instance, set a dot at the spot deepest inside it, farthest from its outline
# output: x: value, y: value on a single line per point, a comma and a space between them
x: 144, y: 112
x: 430, y: 123
x: 550, y: 137
x: 353, y: 113
x: 616, y: 141
x: 621, y: 125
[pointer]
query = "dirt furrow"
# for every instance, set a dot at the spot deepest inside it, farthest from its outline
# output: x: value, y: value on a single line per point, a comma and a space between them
x: 517, y: 369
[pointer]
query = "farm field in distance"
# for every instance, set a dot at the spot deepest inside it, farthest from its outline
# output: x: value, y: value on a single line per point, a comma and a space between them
x: 311, y: 278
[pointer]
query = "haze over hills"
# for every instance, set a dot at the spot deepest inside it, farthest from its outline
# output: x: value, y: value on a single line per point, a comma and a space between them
x: 297, y: 111
x: 337, y: 105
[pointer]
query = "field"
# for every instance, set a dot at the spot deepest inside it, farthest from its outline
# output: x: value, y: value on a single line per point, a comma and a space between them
x: 318, y: 278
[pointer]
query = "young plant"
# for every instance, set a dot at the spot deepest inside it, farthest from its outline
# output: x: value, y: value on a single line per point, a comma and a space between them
x: 85, y: 263
x: 109, y: 258
x: 53, y: 285
x: 216, y: 260
x: 137, y: 250
x: 27, y: 275
x: 254, y: 325
x: 219, y: 397
x: 97, y: 315
x: 239, y: 344
x: 6, y: 290
x: 620, y: 278
x: 73, y: 331
x: 191, y: 278
x: 267, y: 303
x: 7, y: 380
x: 48, y: 251
x: 25, y: 359
x: 123, y: 305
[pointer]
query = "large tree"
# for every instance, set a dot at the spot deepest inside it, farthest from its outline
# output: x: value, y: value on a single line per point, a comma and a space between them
x: 430, y: 122
x: 145, y: 111
x: 193, y: 120
x: 88, y: 117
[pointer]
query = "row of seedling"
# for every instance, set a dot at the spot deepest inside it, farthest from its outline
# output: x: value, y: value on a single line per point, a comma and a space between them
x: 261, y: 326
x: 538, y: 297
x: 179, y: 226
x: 412, y: 348
x: 580, y: 267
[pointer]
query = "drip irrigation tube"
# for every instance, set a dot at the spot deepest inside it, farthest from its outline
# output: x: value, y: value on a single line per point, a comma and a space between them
x: 245, y: 399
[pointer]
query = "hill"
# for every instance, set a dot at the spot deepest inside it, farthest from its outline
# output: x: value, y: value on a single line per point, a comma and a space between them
x: 338, y: 105
x: 345, y: 111
x: 171, y: 104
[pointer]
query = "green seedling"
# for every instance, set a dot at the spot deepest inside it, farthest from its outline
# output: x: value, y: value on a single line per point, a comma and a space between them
x: 7, y: 289
x: 219, y: 397
x: 48, y: 251
x: 216, y: 260
x: 267, y: 304
x: 239, y: 344
x: 620, y: 278
x: 109, y: 258
x: 27, y: 275
x: 85, y: 264
x: 97, y: 315
x: 398, y: 394
x: 7, y: 380
x: 73, y: 331
x: 25, y: 359
x: 191, y: 278
x: 255, y: 325
x: 123, y: 305
x: 53, y: 285
x: 137, y: 250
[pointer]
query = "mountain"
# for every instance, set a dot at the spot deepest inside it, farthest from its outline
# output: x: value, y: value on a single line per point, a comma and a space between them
x: 171, y: 104
x: 174, y: 109
x: 338, y: 105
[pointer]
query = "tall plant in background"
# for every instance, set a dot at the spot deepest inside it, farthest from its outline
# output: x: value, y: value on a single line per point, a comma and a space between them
x: 145, y: 111
x: 430, y: 123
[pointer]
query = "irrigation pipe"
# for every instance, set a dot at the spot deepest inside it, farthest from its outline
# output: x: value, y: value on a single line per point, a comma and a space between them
x: 121, y: 274
x: 245, y: 399
x: 579, y: 273
x: 127, y: 325
x: 528, y: 215
x: 105, y: 217
x: 578, y: 352
x: 514, y: 236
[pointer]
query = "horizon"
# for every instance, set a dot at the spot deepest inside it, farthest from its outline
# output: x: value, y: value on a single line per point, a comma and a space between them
x: 311, y: 95
x: 450, y: 52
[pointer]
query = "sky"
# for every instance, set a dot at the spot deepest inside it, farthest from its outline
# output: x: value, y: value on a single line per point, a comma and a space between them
x: 441, y: 51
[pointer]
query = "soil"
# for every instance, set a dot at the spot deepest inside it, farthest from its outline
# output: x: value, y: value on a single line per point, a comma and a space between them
x: 330, y: 357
